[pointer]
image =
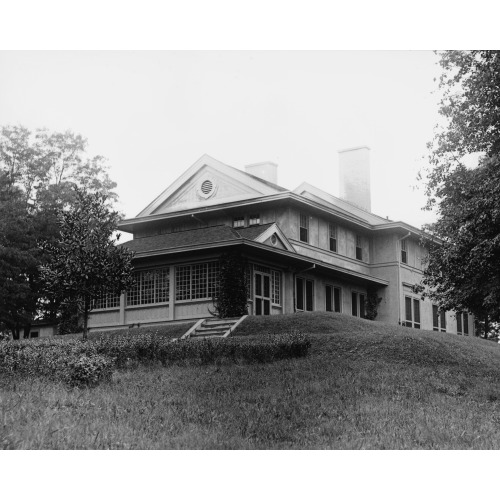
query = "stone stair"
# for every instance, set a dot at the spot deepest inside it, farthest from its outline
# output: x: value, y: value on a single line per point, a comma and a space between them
x: 213, y: 327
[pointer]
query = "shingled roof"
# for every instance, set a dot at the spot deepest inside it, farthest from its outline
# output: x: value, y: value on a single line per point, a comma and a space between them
x: 205, y: 235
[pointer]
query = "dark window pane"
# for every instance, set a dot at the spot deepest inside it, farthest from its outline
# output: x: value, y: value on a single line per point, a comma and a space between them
x: 258, y: 284
x: 354, y: 304
x: 359, y: 253
x: 34, y: 334
x: 300, y: 293
x: 329, y: 305
x: 443, y: 321
x: 459, y: 322
x: 267, y: 305
x: 309, y: 295
x: 466, y: 324
x: 404, y: 258
x: 267, y: 287
x: 336, y: 295
x: 416, y: 312
x: 362, y: 306
x: 258, y: 306
x: 408, y: 309
x: 333, y: 245
x: 435, y: 317
x: 303, y: 234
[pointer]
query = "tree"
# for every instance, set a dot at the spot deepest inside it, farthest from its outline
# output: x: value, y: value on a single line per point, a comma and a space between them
x: 86, y: 262
x: 231, y: 299
x: 41, y: 168
x: 463, y: 267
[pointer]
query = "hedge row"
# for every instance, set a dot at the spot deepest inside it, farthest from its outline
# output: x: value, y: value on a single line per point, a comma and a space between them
x: 88, y: 363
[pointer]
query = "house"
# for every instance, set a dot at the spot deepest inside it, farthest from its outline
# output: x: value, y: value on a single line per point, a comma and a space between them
x: 307, y: 249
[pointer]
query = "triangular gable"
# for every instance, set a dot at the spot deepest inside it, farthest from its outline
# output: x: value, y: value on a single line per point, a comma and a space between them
x: 279, y: 240
x: 208, y: 182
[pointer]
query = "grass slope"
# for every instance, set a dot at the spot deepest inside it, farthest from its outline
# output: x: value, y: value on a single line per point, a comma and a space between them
x: 363, y: 385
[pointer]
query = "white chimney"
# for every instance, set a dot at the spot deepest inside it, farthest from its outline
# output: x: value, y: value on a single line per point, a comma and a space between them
x: 354, y: 176
x: 266, y: 170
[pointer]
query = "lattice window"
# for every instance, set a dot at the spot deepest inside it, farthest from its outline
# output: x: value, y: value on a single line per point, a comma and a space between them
x: 106, y: 301
x: 151, y: 287
x: 198, y: 281
x: 276, y: 286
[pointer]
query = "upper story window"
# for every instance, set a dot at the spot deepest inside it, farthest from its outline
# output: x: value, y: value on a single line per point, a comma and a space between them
x: 304, y: 228
x: 404, y: 253
x: 239, y: 222
x: 332, y: 234
x: 254, y: 220
x: 359, y: 249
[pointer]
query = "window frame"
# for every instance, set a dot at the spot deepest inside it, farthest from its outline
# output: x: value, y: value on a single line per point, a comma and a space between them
x: 331, y: 306
x: 304, y: 294
x: 359, y: 248
x: 404, y: 252
x: 303, y: 228
x: 188, y: 280
x: 413, y: 316
x: 161, y: 276
x: 358, y: 304
x: 332, y: 237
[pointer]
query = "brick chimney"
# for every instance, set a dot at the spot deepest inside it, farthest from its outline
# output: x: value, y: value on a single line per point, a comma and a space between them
x: 354, y: 176
x: 266, y: 170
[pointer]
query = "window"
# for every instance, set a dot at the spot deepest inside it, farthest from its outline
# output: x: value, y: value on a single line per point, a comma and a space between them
x: 332, y: 234
x: 412, y: 313
x: 359, y: 249
x: 150, y: 287
x: 404, y: 255
x: 438, y: 319
x: 358, y: 301
x: 304, y: 294
x: 34, y: 334
x: 275, y: 286
x: 106, y: 301
x: 304, y: 228
x: 196, y: 281
x: 239, y: 222
x: 254, y: 220
x: 462, y: 323
x: 332, y: 298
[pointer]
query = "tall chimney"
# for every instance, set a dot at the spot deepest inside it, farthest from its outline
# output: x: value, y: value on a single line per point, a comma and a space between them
x: 354, y: 176
x: 266, y: 170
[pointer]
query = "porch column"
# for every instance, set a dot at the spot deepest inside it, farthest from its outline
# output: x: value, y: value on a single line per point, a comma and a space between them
x: 171, y: 294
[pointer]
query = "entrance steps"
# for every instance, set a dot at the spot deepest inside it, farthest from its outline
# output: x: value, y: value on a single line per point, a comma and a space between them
x: 213, y: 327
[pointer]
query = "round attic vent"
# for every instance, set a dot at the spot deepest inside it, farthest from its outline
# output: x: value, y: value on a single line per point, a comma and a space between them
x: 206, y: 188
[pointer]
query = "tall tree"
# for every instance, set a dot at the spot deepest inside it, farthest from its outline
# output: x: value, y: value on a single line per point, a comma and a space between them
x: 41, y: 169
x: 463, y: 271
x: 86, y: 261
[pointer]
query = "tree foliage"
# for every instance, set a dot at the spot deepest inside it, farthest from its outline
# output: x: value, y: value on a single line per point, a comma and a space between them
x: 86, y: 261
x: 232, y: 295
x: 463, y: 268
x: 38, y: 170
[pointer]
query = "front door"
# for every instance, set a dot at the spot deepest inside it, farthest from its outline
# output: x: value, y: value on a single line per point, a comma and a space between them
x: 262, y: 294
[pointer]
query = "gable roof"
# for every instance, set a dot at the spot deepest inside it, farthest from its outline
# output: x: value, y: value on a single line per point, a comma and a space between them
x: 255, y: 186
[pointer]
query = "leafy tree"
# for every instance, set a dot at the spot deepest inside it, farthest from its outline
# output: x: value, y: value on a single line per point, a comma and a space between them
x: 463, y: 268
x: 86, y: 262
x: 232, y: 295
x: 17, y: 259
x: 42, y: 168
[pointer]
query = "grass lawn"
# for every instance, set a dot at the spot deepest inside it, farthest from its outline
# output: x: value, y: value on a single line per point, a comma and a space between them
x: 363, y: 385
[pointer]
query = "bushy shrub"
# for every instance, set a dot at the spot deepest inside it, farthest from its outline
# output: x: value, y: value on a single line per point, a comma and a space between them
x: 89, y: 370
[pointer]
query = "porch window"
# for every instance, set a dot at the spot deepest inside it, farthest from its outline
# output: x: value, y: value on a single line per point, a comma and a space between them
x: 196, y: 281
x: 106, y: 300
x: 304, y: 228
x: 150, y: 287
x: 332, y: 234
x: 412, y: 312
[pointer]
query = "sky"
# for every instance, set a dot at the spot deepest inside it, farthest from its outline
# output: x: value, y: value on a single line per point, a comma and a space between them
x: 154, y: 113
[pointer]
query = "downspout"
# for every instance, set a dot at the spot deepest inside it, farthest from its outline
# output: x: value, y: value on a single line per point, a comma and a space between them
x: 293, y: 276
x: 400, y: 285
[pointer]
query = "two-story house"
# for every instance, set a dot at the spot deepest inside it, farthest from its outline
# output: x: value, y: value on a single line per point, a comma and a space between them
x: 307, y: 250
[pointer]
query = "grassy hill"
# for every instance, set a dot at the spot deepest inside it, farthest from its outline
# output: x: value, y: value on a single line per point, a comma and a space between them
x: 363, y: 385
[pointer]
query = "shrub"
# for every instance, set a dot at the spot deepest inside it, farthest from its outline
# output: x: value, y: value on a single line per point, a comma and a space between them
x: 89, y: 370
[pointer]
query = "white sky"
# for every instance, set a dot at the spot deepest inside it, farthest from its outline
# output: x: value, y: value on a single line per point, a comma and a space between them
x: 153, y: 114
